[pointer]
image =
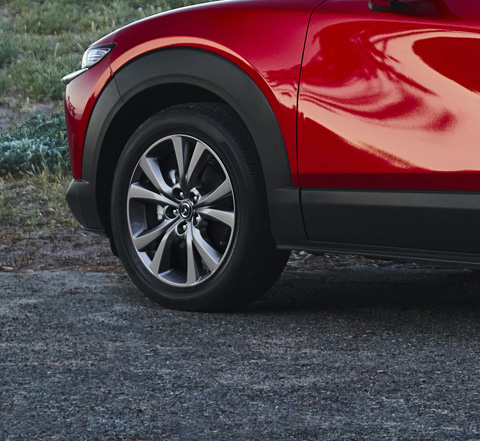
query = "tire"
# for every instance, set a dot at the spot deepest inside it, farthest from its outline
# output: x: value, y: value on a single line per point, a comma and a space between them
x: 189, y: 211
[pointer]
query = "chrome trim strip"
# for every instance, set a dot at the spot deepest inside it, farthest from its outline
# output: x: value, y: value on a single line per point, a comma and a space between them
x: 70, y: 77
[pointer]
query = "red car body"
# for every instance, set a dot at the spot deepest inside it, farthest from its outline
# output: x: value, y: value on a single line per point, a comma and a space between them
x: 365, y: 121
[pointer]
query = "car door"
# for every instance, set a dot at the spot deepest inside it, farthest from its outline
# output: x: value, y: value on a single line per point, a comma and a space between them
x: 388, y: 125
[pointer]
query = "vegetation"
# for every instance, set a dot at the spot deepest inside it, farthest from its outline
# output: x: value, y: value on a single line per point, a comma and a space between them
x: 33, y: 200
x: 41, y: 41
x: 38, y: 145
x: 44, y: 40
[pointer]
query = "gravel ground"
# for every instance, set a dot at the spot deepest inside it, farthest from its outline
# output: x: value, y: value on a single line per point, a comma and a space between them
x: 339, y: 349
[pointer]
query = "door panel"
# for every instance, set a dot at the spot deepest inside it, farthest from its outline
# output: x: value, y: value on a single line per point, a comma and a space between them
x: 389, y: 107
x: 391, y: 101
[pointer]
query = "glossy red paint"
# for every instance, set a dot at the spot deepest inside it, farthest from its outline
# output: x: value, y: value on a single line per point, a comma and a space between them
x: 387, y: 101
x: 80, y: 97
x: 229, y: 29
x: 390, y: 101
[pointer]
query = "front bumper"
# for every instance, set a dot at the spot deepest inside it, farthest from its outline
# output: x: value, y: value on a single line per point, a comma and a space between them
x: 82, y: 202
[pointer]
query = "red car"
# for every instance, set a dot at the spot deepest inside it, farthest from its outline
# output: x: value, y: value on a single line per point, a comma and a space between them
x: 207, y: 142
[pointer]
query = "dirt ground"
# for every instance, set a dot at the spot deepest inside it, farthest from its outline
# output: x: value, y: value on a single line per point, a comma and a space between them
x: 71, y: 249
x: 77, y: 249
x: 14, y: 112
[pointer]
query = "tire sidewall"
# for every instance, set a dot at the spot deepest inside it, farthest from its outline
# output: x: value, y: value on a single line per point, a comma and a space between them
x: 238, y: 265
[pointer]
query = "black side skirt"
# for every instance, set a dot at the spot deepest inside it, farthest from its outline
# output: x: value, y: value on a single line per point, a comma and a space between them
x: 418, y: 225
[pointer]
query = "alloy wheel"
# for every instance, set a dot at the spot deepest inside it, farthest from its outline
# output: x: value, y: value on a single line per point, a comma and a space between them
x: 181, y: 210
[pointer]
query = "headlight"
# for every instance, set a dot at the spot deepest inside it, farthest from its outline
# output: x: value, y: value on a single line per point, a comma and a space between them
x: 94, y: 54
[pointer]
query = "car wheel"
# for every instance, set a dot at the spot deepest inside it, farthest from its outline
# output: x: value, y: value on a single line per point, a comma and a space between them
x: 189, y: 211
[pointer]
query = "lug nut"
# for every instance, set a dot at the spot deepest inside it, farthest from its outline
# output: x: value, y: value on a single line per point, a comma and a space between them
x: 182, y: 196
x: 175, y: 212
x: 181, y: 229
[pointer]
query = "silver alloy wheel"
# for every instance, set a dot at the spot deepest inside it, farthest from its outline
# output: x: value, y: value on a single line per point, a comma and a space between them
x: 181, y: 210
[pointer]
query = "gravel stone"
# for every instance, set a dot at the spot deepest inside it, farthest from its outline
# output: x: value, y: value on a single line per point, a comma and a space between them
x: 377, y: 350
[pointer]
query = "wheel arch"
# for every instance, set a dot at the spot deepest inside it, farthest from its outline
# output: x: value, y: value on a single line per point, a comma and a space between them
x: 167, y: 77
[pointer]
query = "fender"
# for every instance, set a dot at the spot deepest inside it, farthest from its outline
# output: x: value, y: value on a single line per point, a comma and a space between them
x: 230, y: 84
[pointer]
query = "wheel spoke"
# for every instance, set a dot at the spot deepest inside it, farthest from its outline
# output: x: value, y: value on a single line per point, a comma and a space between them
x: 225, y: 217
x: 224, y: 189
x: 180, y: 234
x: 209, y: 255
x: 197, y: 163
x: 139, y: 192
x: 192, y: 270
x: 145, y: 238
x: 163, y: 251
x: 151, y: 168
x: 179, y: 154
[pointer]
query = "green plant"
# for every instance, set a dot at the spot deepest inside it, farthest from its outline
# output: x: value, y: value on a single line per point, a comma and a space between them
x: 41, y: 41
x: 34, y: 200
x: 8, y: 50
x: 38, y: 144
x: 44, y: 40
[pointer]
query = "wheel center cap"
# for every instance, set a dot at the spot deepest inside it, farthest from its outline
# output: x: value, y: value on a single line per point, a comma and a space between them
x: 186, y: 210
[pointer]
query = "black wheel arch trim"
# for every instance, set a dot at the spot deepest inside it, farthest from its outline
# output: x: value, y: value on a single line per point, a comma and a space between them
x: 209, y: 71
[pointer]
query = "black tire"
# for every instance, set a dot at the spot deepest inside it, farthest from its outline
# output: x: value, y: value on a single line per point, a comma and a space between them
x: 196, y: 238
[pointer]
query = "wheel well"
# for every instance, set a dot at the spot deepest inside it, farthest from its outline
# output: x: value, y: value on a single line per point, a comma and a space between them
x: 165, y: 78
x: 136, y: 111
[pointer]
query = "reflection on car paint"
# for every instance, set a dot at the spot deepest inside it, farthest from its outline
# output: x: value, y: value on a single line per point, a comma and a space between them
x: 392, y: 116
